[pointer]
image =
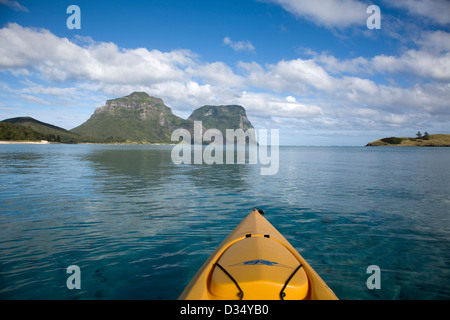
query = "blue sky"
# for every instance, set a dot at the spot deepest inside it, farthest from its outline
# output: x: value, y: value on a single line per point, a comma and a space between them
x: 311, y: 69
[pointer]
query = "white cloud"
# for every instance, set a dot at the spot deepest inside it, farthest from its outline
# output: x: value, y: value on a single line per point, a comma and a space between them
x: 436, y: 10
x: 328, y: 13
x: 320, y: 92
x: 304, y: 77
x: 337, y: 98
x: 187, y: 95
x: 34, y: 88
x: 59, y: 59
x: 270, y: 105
x: 345, y: 13
x: 431, y: 60
x: 420, y: 63
x: 337, y: 66
x: 15, y: 5
x: 296, y: 76
x: 34, y: 99
x: 435, y: 41
x: 217, y: 73
x: 239, y: 45
x: 291, y: 99
x: 303, y: 72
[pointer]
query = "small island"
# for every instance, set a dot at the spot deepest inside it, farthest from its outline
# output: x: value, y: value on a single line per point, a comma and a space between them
x: 425, y: 140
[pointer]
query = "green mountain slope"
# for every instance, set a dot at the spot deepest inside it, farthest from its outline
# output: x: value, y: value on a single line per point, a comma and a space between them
x: 136, y: 117
x: 14, y: 132
x: 27, y: 128
x: 222, y: 117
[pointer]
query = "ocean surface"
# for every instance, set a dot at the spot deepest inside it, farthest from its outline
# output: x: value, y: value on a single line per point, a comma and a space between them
x: 139, y: 226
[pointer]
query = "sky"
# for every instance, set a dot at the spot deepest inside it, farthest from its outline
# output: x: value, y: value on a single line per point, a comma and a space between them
x: 314, y: 70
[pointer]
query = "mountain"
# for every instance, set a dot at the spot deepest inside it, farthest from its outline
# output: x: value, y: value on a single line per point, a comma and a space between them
x: 432, y: 140
x: 137, y: 117
x: 27, y: 128
x: 14, y: 132
x: 222, y: 118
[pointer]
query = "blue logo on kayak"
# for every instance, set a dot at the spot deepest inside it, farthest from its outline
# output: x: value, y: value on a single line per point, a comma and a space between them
x: 260, y: 262
x: 256, y: 262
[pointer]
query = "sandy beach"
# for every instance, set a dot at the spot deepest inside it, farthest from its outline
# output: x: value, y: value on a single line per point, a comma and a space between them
x: 24, y: 142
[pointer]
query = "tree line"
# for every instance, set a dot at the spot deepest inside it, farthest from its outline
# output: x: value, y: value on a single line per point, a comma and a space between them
x: 425, y: 136
x: 13, y: 132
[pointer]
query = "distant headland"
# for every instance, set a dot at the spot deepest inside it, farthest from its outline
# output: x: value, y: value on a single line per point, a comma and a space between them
x: 425, y: 140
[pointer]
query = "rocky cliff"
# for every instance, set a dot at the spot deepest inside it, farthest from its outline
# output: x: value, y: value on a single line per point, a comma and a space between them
x: 137, y: 117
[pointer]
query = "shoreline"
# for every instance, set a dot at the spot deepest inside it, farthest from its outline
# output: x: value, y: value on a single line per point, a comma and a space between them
x: 410, y: 146
x: 23, y: 142
x: 97, y: 143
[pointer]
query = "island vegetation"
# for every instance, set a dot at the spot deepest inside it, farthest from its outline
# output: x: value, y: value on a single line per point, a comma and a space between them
x: 421, y: 140
x: 29, y: 129
x: 134, y: 119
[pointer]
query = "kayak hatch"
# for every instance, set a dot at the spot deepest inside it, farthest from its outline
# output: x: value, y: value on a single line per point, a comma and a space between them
x: 255, y: 262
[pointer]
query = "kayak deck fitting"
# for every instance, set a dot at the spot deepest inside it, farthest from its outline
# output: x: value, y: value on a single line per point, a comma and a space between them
x: 255, y: 262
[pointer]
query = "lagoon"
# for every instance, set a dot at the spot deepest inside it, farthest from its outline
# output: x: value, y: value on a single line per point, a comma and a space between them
x: 140, y: 226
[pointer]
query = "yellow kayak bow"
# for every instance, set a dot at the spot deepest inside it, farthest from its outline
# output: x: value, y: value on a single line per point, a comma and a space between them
x: 255, y: 262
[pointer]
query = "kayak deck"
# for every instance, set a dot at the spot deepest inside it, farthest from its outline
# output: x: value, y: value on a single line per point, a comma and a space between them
x: 255, y: 262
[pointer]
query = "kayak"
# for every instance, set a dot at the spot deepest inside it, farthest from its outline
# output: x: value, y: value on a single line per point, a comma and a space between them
x: 255, y: 262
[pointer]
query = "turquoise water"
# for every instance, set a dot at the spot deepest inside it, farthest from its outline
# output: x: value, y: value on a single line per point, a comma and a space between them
x: 139, y: 226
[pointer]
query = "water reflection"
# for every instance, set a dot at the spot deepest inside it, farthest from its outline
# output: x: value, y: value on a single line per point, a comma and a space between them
x: 142, y: 167
x: 136, y: 223
x: 139, y: 165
